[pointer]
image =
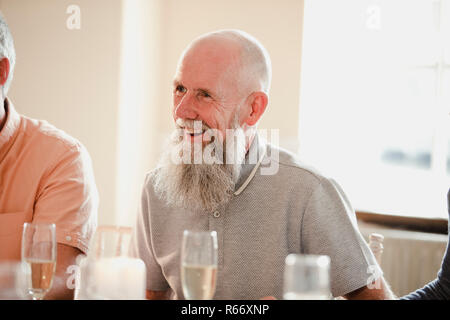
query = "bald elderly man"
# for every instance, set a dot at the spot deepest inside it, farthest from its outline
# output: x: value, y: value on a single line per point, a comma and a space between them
x: 260, y: 215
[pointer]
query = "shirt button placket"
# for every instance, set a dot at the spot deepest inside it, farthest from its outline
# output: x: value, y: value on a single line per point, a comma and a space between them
x: 216, y: 224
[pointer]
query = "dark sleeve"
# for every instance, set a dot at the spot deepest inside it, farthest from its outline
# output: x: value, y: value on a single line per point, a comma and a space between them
x: 439, y: 288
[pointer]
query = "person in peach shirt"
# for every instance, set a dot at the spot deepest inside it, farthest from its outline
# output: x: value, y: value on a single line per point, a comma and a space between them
x: 46, y: 176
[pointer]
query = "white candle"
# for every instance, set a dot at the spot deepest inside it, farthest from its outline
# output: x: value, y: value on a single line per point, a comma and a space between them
x: 117, y: 278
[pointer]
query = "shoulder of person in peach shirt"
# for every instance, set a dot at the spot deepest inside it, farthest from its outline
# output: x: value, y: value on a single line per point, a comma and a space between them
x: 46, y: 176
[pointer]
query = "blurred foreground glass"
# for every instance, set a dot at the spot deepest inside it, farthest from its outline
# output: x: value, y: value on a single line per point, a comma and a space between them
x: 13, y: 284
x: 39, y: 255
x: 306, y: 277
x: 111, y: 241
x: 112, y: 278
x: 199, y: 264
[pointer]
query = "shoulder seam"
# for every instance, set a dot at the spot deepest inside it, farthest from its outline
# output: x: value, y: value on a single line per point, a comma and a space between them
x: 317, y: 176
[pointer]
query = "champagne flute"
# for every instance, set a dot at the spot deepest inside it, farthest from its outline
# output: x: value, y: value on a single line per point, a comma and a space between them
x: 306, y: 277
x: 199, y: 264
x: 39, y: 254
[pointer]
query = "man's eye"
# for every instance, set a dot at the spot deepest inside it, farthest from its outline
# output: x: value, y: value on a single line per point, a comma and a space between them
x: 205, y: 94
x: 180, y: 89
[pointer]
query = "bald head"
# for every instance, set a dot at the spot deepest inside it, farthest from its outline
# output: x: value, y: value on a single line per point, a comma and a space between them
x: 238, y: 59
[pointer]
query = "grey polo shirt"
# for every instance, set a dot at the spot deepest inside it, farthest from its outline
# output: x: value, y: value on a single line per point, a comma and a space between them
x: 296, y: 210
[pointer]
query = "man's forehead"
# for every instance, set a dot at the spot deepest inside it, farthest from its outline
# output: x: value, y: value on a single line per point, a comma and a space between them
x: 208, y: 61
x: 199, y: 75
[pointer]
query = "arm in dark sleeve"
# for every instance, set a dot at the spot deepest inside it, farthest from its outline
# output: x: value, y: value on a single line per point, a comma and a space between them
x: 438, y: 289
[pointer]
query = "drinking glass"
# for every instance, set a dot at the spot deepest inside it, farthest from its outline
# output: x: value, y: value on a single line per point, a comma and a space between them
x: 199, y: 264
x: 306, y: 277
x: 39, y: 255
x: 110, y: 241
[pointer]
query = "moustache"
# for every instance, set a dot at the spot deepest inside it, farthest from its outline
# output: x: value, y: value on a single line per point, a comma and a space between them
x: 191, y: 124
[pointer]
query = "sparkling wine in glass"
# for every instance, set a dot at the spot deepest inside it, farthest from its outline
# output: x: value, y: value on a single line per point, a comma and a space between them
x: 39, y: 254
x: 199, y: 264
x: 306, y: 277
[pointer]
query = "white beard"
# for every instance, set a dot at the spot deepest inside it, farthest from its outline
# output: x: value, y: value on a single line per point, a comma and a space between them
x: 200, y: 187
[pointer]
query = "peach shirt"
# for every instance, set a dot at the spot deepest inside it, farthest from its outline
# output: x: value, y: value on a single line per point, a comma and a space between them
x: 45, y: 176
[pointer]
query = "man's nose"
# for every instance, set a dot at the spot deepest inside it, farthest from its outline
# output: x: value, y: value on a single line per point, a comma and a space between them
x: 186, y: 108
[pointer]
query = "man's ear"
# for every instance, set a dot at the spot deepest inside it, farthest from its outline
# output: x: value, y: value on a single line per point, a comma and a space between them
x: 4, y: 70
x: 258, y: 103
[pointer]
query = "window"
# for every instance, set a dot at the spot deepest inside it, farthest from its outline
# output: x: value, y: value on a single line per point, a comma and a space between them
x: 375, y: 101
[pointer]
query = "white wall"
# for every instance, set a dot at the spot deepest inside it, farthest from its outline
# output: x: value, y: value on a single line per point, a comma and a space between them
x: 139, y: 102
x: 71, y: 77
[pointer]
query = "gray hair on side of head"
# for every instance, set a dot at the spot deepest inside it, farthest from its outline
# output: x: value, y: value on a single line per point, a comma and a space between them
x: 7, y: 51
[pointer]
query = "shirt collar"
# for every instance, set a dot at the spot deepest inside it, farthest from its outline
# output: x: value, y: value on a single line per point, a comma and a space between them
x: 253, y: 159
x: 10, y: 129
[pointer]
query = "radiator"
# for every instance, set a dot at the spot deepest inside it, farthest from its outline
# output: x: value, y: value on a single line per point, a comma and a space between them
x: 409, y: 259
